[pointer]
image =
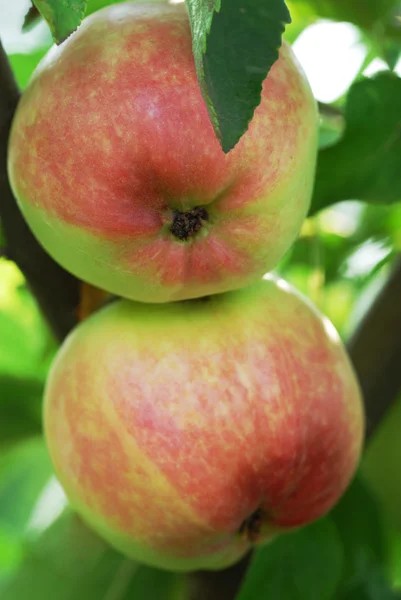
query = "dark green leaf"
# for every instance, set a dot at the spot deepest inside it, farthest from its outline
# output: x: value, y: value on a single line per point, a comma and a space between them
x: 306, y: 564
x: 152, y: 583
x: 20, y: 408
x: 357, y: 518
x: 235, y: 44
x: 366, y: 163
x: 381, y: 464
x: 62, y: 16
x: 362, y: 533
x: 374, y: 587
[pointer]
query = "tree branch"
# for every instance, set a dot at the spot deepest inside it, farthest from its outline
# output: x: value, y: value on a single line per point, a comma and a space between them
x: 375, y: 351
x: 56, y: 291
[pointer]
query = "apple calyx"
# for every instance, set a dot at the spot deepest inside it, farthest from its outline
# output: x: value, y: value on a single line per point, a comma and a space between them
x: 251, y: 527
x: 186, y: 224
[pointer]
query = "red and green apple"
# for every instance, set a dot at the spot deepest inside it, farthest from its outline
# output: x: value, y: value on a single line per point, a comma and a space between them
x: 118, y: 171
x: 185, y: 433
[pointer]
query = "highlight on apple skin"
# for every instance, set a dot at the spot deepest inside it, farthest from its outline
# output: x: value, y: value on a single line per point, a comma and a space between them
x: 119, y: 174
x: 185, y: 433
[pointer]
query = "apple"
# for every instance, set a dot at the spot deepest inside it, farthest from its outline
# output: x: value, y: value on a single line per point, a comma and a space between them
x: 185, y: 433
x: 118, y: 171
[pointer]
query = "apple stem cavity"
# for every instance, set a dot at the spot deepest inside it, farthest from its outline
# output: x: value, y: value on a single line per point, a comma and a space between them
x: 251, y: 527
x: 187, y: 224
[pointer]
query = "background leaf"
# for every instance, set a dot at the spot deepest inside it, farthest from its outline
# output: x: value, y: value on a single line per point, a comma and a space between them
x: 235, y: 45
x: 62, y: 16
x: 362, y: 532
x: 385, y: 449
x: 24, y: 471
x: 304, y: 564
x: 20, y: 408
x: 365, y: 14
x: 68, y: 562
x: 24, y: 64
x: 366, y: 163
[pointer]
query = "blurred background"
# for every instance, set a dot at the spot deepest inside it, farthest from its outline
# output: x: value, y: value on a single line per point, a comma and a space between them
x: 341, y: 261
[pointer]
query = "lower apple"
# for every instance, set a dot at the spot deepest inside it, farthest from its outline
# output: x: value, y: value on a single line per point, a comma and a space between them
x: 185, y: 433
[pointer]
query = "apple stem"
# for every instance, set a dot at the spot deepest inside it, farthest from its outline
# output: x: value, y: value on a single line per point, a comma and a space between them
x: 252, y: 526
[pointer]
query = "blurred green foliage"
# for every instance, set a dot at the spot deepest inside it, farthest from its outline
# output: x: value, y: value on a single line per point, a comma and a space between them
x: 340, y: 261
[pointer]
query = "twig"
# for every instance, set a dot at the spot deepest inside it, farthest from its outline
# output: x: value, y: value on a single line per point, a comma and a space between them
x: 56, y: 291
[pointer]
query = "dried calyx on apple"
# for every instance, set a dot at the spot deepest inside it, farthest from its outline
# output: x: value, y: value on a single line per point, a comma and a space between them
x: 186, y: 224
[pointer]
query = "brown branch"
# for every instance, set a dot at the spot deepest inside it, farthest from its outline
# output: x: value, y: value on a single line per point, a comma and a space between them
x: 375, y: 351
x: 56, y: 291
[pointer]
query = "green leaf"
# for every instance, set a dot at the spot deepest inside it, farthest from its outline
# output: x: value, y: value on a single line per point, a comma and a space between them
x: 94, y: 5
x: 152, y: 583
x: 358, y: 521
x: 360, y: 526
x: 20, y: 355
x: 381, y: 463
x: 20, y: 408
x: 10, y: 554
x: 24, y: 472
x: 68, y: 562
x: 373, y: 588
x: 235, y: 43
x: 304, y: 564
x: 26, y: 345
x: 62, y: 16
x: 365, y: 14
x: 366, y: 163
x: 302, y: 15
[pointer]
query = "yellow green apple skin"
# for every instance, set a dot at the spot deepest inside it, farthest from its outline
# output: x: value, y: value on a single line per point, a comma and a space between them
x: 185, y: 433
x: 118, y: 172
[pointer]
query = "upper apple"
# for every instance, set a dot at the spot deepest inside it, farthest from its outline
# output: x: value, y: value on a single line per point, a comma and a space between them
x: 118, y: 171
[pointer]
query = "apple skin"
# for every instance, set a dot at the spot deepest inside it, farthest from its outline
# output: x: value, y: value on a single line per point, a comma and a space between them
x: 112, y: 139
x: 184, y: 433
